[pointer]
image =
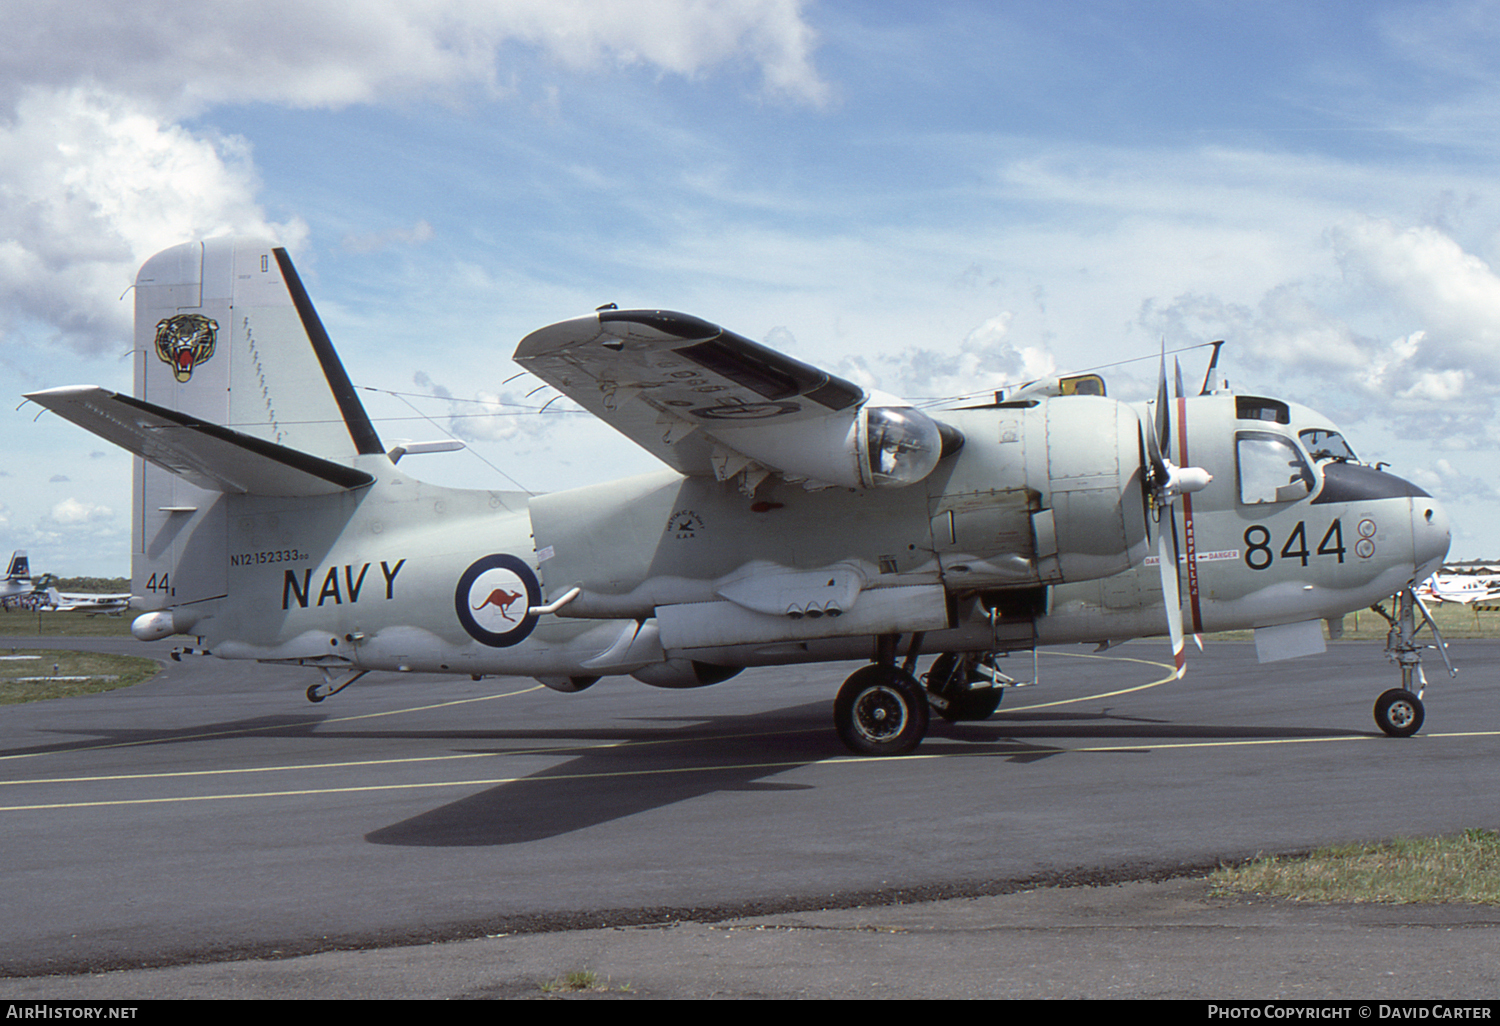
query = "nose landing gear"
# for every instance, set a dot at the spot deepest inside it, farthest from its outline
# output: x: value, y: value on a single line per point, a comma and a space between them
x: 1399, y: 712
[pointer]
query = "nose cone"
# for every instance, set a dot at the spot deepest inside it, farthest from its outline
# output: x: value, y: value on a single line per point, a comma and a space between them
x: 1430, y: 536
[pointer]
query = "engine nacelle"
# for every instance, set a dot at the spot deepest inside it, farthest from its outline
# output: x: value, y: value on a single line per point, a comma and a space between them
x: 884, y: 442
x: 569, y: 685
x: 1092, y: 523
x: 684, y: 673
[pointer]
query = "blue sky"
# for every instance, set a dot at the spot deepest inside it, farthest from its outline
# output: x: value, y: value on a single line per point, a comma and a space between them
x: 927, y: 198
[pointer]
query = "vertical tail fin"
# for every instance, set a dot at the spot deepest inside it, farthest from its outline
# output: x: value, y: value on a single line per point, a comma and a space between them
x: 20, y: 567
x: 225, y: 332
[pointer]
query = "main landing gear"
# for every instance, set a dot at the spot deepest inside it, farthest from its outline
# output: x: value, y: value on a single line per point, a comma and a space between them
x: 1399, y: 712
x: 883, y: 709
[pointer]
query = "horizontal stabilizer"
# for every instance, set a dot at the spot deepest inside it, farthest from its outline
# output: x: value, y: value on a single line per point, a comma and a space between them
x: 205, y: 454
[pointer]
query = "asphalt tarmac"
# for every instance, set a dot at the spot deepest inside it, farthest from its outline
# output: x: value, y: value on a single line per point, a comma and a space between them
x: 210, y: 833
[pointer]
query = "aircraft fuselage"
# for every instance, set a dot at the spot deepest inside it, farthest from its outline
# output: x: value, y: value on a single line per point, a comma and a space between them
x: 410, y: 576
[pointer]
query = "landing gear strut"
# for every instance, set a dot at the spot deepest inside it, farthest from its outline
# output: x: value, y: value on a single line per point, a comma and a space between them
x: 327, y: 689
x: 1399, y: 712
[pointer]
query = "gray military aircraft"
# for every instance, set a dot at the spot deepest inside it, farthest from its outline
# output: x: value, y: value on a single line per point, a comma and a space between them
x: 801, y: 518
x: 16, y: 584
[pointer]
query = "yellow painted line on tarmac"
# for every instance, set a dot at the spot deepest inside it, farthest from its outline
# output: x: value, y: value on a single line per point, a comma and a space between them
x: 173, y: 738
x: 303, y: 767
x: 433, y: 784
x: 985, y: 751
x: 566, y: 750
x: 104, y: 746
x: 850, y: 760
x: 1171, y: 676
x: 1162, y: 746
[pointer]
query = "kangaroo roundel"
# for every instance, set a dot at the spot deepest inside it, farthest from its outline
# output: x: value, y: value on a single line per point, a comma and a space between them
x: 492, y: 598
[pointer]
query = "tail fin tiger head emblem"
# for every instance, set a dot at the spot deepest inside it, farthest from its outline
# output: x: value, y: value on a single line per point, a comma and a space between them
x: 185, y: 341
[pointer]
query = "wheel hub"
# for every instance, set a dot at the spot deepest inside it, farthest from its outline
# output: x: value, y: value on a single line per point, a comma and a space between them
x: 879, y: 713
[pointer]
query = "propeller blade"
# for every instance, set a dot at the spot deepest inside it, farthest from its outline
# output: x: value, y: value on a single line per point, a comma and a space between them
x: 1163, y: 412
x: 1171, y: 599
x: 1148, y: 472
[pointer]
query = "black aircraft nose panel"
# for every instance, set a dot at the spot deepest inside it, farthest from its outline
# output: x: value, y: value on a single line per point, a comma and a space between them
x: 1351, y: 482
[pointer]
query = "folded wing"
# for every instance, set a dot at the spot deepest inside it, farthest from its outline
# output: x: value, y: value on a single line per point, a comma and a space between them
x: 707, y: 401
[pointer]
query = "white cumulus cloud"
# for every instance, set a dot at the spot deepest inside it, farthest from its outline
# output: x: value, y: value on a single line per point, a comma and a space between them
x: 98, y: 169
x: 91, y: 184
x: 330, y: 53
x: 72, y: 513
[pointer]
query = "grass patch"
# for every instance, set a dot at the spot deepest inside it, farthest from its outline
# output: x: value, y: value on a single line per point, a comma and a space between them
x: 1456, y: 621
x: 1460, y: 869
x: 25, y: 623
x: 97, y: 672
x: 578, y: 979
x: 583, y: 981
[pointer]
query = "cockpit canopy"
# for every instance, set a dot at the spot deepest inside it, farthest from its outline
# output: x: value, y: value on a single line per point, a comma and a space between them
x: 1325, y: 444
x: 1274, y: 468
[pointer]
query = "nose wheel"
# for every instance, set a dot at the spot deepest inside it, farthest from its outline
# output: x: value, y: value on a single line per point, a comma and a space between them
x: 1399, y: 713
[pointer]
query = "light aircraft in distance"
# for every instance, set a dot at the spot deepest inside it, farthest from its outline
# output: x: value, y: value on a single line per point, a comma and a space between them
x: 18, y: 588
x: 799, y: 517
x: 85, y: 602
x: 1462, y: 588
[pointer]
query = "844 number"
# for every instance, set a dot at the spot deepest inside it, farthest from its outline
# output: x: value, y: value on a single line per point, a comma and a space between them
x: 1259, y: 555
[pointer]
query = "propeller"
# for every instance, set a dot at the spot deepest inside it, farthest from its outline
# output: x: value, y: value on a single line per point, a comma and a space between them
x: 1164, y: 483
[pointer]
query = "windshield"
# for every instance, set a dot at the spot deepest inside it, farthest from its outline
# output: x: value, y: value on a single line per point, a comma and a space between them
x: 1323, y: 444
x: 1271, y: 469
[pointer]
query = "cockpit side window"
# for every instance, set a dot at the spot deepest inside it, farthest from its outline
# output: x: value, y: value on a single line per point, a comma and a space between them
x: 1249, y: 407
x: 1324, y: 444
x: 1271, y: 468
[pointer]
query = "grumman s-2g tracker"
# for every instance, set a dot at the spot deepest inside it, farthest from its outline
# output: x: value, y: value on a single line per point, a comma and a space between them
x: 799, y: 517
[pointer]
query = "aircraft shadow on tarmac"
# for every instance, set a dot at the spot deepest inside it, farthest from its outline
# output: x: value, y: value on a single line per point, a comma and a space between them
x: 646, y: 770
x: 117, y: 737
x: 641, y: 764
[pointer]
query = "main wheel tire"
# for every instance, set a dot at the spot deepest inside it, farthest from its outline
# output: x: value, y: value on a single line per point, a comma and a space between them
x: 881, y: 710
x: 977, y: 704
x: 1399, y: 713
x: 954, y: 700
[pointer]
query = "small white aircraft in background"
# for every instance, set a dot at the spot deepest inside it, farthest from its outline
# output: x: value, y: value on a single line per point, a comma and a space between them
x: 20, y: 589
x: 64, y: 602
x: 1465, y: 589
x: 798, y: 517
